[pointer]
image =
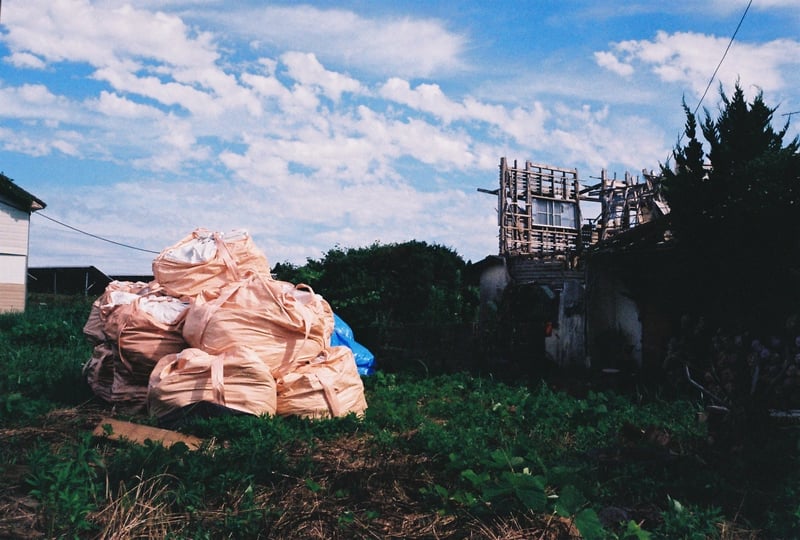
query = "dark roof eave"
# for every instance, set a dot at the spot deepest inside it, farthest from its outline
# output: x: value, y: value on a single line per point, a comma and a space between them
x: 26, y: 201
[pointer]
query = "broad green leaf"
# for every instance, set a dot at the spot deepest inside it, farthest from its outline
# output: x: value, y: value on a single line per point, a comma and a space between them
x: 570, y: 500
x: 524, y: 481
x: 588, y: 523
x: 477, y: 480
x: 533, y: 498
x: 312, y: 485
x: 491, y: 493
x: 634, y: 531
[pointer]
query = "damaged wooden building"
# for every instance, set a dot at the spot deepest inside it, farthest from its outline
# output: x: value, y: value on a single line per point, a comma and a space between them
x: 559, y: 292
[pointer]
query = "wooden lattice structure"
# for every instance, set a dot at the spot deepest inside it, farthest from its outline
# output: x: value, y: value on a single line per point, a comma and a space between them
x: 538, y: 210
x: 626, y: 203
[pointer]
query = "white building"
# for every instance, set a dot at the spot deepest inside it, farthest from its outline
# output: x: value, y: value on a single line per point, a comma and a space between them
x: 16, y: 207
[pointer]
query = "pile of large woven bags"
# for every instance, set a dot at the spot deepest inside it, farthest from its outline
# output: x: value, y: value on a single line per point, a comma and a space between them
x: 215, y: 327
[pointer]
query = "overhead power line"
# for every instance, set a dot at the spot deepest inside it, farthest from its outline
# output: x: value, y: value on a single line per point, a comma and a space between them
x: 730, y: 43
x: 716, y: 70
x: 94, y: 235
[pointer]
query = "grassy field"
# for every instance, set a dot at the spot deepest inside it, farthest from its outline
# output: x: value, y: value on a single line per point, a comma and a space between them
x: 436, y: 456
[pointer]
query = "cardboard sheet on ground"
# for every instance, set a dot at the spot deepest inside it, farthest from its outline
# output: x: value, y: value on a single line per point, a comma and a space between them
x: 138, y: 433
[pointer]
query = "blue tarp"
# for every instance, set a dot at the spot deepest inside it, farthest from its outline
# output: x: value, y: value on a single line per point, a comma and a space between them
x: 343, y: 335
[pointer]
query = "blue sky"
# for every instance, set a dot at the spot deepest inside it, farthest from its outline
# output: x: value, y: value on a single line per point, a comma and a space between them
x: 346, y: 123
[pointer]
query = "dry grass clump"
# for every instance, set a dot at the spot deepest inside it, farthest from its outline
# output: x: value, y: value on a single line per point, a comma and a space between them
x: 141, y: 511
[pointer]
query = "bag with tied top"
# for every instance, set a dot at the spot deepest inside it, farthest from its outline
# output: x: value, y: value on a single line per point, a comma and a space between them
x: 236, y: 379
x: 206, y: 261
x: 328, y: 387
x: 142, y: 329
x: 94, y: 329
x: 284, y: 324
x: 151, y: 328
x: 99, y: 371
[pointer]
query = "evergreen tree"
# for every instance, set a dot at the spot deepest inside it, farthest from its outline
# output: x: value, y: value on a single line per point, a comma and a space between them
x: 736, y: 217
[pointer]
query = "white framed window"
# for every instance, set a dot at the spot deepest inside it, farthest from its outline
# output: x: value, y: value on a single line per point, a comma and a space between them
x: 554, y: 213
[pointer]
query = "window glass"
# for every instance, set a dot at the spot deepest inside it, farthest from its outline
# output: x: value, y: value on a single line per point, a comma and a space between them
x: 554, y: 213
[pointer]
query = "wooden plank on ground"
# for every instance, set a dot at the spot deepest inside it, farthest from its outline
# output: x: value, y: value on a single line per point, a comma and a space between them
x: 138, y: 433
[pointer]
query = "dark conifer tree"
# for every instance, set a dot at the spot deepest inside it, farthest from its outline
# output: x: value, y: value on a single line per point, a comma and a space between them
x: 736, y: 216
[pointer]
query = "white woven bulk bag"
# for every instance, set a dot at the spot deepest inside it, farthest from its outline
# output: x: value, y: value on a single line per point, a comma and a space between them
x: 328, y: 387
x: 99, y: 370
x: 285, y: 324
x: 142, y: 332
x: 236, y: 379
x: 206, y: 260
x: 94, y: 327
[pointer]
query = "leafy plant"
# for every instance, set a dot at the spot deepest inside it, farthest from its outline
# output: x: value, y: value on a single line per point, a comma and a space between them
x: 66, y: 485
x: 456, y: 447
x: 686, y: 523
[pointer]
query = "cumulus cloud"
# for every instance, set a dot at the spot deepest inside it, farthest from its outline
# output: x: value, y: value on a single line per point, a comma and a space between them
x: 689, y: 59
x: 39, y: 109
x: 403, y: 46
x: 427, y: 98
x: 112, y: 104
x: 607, y: 60
x: 306, y: 69
x: 524, y: 124
x: 71, y: 31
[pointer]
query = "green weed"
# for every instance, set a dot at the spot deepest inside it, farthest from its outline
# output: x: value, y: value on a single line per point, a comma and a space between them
x: 477, y: 447
x: 689, y: 523
x: 66, y: 484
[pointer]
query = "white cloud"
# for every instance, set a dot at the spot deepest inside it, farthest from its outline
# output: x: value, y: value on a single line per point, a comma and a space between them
x: 112, y: 104
x: 689, y: 59
x: 407, y: 47
x: 525, y: 125
x: 13, y: 141
x: 68, y: 143
x: 306, y: 69
x: 26, y: 60
x: 266, y: 86
x: 39, y: 109
x: 598, y: 139
x: 609, y: 61
x: 428, y: 98
x: 166, y: 93
x: 80, y: 31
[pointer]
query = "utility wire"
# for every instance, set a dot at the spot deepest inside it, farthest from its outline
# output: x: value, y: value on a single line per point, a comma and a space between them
x: 721, y: 60
x: 730, y: 43
x: 94, y: 235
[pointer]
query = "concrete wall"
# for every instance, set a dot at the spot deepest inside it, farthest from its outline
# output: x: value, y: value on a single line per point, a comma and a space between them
x: 614, y: 327
x: 567, y: 344
x: 493, y: 281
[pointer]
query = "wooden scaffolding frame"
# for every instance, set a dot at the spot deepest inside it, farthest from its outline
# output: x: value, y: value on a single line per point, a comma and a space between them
x: 523, y: 230
x: 626, y: 203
